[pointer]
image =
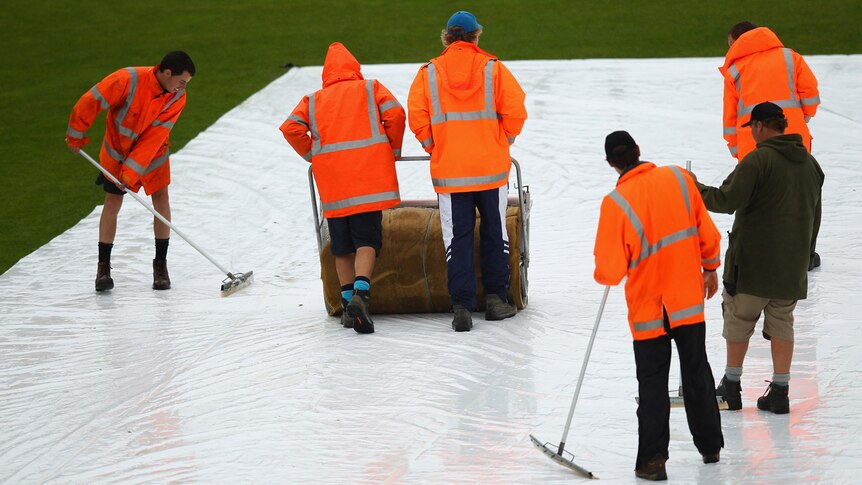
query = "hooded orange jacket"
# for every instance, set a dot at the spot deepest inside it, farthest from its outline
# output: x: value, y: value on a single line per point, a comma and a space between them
x: 758, y: 68
x: 351, y: 131
x: 654, y: 228
x: 466, y: 108
x: 139, y: 121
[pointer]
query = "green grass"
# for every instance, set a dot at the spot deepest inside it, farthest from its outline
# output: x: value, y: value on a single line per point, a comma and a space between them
x: 54, y: 51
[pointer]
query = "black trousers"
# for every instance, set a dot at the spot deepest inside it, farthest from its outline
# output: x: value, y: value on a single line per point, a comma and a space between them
x: 652, y: 358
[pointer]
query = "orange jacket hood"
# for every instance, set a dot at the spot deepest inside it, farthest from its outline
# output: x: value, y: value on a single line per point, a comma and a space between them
x: 340, y: 65
x: 460, y: 68
x: 757, y: 40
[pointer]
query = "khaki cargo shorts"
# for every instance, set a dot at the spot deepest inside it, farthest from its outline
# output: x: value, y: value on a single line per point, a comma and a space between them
x: 742, y: 311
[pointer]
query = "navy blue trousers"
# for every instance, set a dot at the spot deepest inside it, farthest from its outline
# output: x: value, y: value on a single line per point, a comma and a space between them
x: 458, y: 220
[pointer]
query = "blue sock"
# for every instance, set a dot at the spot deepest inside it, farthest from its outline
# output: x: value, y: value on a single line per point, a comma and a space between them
x: 347, y: 291
x: 361, y: 284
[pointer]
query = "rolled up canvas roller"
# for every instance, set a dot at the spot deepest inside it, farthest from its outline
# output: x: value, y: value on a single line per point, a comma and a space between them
x: 410, y: 275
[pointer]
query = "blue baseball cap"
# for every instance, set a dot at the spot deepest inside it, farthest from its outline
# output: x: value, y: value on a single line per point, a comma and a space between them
x: 465, y: 20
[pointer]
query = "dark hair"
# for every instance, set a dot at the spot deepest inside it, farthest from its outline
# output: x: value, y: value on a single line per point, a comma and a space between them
x: 178, y: 62
x: 457, y: 33
x: 776, y: 124
x: 740, y: 29
x: 623, y: 157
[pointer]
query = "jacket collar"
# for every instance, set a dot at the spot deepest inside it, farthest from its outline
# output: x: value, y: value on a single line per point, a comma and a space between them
x: 634, y: 171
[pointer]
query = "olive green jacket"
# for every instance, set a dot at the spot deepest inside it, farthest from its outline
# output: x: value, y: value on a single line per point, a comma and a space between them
x: 775, y: 193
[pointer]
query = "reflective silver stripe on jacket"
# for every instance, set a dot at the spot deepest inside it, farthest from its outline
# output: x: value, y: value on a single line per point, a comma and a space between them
x: 734, y: 150
x: 791, y: 102
x: 440, y: 116
x: 94, y: 91
x: 649, y: 325
x: 810, y: 101
x: 73, y: 133
x: 396, y: 152
x: 427, y: 142
x: 297, y: 119
x: 461, y: 181
x: 389, y: 105
x: 711, y: 261
x: 377, y: 137
x: 156, y: 163
x: 729, y: 130
x: 133, y: 87
x: 677, y: 315
x: 683, y: 187
x: 362, y: 199
x: 113, y: 153
x: 163, y: 124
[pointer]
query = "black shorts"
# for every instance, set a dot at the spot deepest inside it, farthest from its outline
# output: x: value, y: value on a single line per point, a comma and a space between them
x: 110, y: 187
x: 355, y: 231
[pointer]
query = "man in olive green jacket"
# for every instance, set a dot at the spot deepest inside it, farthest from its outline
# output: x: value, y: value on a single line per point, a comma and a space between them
x: 775, y: 195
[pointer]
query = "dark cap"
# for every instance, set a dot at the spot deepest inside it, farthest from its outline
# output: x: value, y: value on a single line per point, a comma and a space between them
x: 619, y: 139
x: 765, y: 111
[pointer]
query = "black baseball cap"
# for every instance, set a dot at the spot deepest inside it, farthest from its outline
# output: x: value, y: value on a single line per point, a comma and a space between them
x: 619, y: 139
x: 765, y: 111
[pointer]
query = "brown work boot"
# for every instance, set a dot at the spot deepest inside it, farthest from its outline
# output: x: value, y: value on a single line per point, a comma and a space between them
x: 104, y: 281
x: 161, y: 280
x: 497, y: 309
x: 653, y: 470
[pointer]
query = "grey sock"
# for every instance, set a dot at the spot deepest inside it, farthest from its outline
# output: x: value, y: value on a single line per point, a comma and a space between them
x: 782, y: 380
x: 733, y: 374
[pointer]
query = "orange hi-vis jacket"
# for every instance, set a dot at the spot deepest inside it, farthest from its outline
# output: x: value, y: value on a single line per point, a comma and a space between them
x: 139, y: 121
x: 654, y: 228
x: 356, y: 129
x: 466, y: 108
x: 758, y: 68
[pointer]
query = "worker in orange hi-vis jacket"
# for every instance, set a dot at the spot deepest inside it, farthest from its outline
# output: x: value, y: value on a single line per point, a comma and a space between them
x: 758, y: 68
x: 351, y: 131
x: 466, y: 109
x: 654, y: 230
x: 143, y: 104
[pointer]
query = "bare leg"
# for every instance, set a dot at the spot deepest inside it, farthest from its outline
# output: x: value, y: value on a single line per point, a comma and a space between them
x: 108, y: 220
x: 736, y: 353
x: 365, y: 259
x: 344, y: 268
x: 162, y: 205
x: 782, y: 355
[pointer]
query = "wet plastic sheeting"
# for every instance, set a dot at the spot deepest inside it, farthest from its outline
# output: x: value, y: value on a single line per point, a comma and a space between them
x: 183, y: 385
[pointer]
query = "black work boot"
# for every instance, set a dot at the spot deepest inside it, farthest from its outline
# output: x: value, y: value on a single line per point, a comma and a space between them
x: 710, y: 457
x: 104, y: 281
x: 161, y: 280
x: 731, y: 393
x: 653, y: 470
x: 346, y: 320
x: 463, y: 320
x: 497, y: 309
x: 358, y: 310
x: 775, y: 399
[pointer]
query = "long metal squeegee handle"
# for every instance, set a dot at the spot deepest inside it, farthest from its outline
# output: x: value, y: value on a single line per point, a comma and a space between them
x: 155, y: 213
x: 583, y: 371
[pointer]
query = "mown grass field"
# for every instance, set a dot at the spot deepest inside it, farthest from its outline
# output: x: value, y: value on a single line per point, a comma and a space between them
x: 54, y: 51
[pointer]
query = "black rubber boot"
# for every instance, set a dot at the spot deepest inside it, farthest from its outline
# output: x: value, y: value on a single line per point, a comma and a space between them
x: 731, y: 393
x: 358, y: 310
x: 814, y: 262
x: 161, y: 280
x: 104, y: 281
